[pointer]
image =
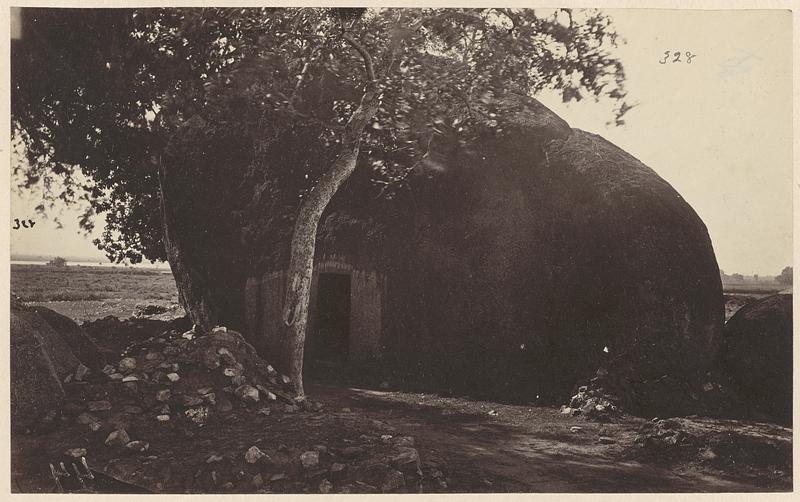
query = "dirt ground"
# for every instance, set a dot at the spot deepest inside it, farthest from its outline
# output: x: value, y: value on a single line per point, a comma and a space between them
x: 518, y: 449
x: 463, y: 445
x: 522, y: 449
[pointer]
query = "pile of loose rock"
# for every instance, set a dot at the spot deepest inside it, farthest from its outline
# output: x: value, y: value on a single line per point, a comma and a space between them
x: 130, y: 418
x: 190, y: 379
x: 664, y: 434
x: 755, y: 449
x: 592, y: 401
x: 145, y: 310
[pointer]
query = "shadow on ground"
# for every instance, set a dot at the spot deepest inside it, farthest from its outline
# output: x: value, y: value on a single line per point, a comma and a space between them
x: 505, y: 448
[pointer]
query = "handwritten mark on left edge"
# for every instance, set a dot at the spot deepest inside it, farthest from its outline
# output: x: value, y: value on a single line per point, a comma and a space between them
x: 22, y: 224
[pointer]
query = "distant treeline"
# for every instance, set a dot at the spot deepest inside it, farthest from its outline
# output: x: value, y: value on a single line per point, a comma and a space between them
x: 46, y: 258
x: 784, y: 278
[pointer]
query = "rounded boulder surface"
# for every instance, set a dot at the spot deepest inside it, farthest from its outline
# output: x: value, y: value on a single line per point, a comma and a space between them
x: 82, y: 346
x: 757, y: 355
x: 517, y: 263
x: 40, y: 360
x: 534, y: 264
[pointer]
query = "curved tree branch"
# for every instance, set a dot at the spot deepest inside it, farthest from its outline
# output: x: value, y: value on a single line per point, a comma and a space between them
x: 368, y: 66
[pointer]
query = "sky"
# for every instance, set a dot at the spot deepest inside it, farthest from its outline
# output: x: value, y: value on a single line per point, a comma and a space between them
x: 719, y: 130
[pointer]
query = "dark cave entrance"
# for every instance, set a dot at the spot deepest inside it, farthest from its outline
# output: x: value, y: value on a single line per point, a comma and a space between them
x: 332, y: 327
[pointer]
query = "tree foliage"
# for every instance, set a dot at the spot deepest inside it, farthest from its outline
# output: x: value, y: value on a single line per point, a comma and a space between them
x: 786, y: 276
x: 125, y: 87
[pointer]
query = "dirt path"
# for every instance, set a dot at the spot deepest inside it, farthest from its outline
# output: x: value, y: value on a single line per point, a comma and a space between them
x: 521, y: 449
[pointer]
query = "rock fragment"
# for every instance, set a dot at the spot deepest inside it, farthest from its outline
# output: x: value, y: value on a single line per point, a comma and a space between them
x: 118, y: 437
x: 325, y: 486
x: 394, y: 480
x: 309, y: 460
x: 407, y: 460
x: 247, y: 393
x: 138, y: 446
x: 254, y: 454
x: 76, y: 452
x: 80, y: 372
x: 338, y: 471
x: 198, y: 416
x: 127, y: 365
x: 214, y: 458
x: 98, y: 406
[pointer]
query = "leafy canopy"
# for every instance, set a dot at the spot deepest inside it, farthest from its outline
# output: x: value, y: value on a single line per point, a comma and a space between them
x: 98, y: 95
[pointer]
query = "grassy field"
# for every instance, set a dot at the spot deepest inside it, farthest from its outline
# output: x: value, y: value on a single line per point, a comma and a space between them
x: 755, y: 290
x: 89, y: 293
x: 38, y: 283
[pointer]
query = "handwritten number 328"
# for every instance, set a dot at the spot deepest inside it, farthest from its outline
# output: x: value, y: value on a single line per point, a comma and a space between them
x: 676, y: 57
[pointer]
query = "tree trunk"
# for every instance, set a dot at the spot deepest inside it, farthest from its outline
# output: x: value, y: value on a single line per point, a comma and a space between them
x: 193, y: 296
x: 301, y: 263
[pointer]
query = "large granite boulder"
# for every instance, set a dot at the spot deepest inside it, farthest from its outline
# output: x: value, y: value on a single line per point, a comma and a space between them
x: 756, y: 354
x: 517, y: 264
x: 81, y: 345
x: 541, y: 254
x: 42, y: 357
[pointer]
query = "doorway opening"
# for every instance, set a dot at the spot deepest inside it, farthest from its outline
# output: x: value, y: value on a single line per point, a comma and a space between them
x: 332, y: 336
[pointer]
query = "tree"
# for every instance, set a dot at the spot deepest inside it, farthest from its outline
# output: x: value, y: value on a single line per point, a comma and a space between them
x: 785, y: 277
x: 57, y: 262
x: 199, y: 132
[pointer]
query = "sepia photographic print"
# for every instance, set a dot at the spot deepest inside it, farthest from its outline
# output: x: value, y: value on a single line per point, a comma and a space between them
x: 428, y: 250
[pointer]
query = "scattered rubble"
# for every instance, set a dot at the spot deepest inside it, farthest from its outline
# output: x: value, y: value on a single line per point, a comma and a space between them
x: 734, y: 445
x: 592, y: 402
x: 174, y: 385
